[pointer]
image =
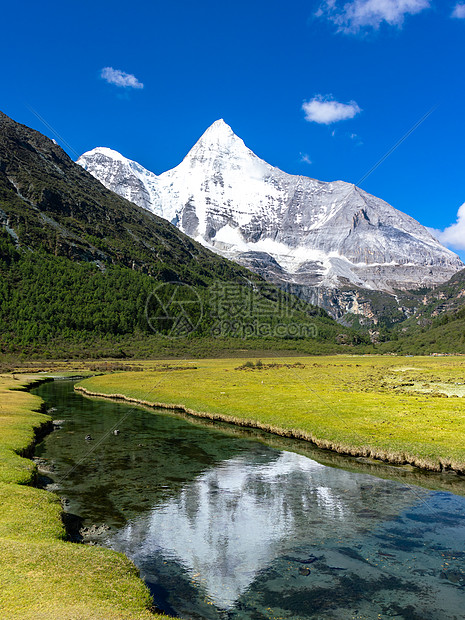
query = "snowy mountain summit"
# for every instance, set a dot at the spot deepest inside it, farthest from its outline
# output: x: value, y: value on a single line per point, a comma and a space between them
x: 290, y: 229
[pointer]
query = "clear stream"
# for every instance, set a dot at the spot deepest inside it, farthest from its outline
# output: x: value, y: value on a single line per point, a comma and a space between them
x: 233, y: 524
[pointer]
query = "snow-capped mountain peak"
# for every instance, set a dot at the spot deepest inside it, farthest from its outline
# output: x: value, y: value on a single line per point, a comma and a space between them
x: 219, y: 132
x: 107, y: 152
x: 219, y: 136
x: 220, y: 146
x: 288, y: 228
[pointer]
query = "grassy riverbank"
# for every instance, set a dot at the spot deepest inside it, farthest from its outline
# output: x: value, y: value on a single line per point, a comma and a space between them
x: 400, y: 409
x: 42, y: 576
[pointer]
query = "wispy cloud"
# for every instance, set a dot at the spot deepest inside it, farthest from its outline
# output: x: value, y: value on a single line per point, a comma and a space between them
x: 459, y: 11
x: 325, y: 110
x: 453, y: 236
x: 354, y: 16
x: 120, y: 78
x: 356, y: 139
x: 305, y: 158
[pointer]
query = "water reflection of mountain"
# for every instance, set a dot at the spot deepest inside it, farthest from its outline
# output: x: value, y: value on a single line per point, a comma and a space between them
x: 232, y: 521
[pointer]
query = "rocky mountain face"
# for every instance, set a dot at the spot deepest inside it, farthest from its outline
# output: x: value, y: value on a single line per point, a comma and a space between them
x: 329, y: 242
x: 447, y: 298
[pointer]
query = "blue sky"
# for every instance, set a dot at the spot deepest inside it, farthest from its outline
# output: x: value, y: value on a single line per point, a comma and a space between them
x: 320, y: 88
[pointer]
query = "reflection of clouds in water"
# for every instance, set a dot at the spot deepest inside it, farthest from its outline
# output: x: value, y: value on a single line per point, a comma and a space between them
x: 330, y: 503
x: 232, y: 521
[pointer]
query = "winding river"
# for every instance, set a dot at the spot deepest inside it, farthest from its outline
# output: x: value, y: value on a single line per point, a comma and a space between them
x: 226, y: 523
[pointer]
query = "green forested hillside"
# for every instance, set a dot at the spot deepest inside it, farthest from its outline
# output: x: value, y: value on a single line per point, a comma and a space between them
x: 444, y: 333
x: 438, y: 325
x: 52, y: 304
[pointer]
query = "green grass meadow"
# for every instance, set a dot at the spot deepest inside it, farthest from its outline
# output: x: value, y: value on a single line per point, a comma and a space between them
x: 399, y: 409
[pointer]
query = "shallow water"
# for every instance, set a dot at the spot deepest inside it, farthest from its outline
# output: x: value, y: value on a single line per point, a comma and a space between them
x: 223, y: 526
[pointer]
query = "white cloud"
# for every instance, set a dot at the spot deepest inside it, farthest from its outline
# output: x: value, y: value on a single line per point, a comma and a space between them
x: 325, y: 110
x: 120, y: 78
x: 351, y: 17
x: 305, y: 158
x: 459, y: 11
x: 454, y: 235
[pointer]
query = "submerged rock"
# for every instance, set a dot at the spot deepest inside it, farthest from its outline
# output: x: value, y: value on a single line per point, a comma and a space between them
x: 44, y: 466
x: 94, y: 530
x: 454, y: 576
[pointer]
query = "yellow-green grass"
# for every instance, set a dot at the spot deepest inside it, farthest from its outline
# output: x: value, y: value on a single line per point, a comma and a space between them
x: 364, y: 406
x: 41, y: 575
